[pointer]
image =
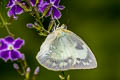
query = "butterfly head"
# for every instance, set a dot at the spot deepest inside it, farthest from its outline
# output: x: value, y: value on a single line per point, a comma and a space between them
x: 60, y: 31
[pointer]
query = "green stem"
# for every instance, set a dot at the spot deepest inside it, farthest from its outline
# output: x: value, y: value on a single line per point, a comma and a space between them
x: 51, y: 25
x: 27, y: 75
x: 34, y: 77
x: 5, y: 25
x: 24, y: 66
x: 1, y: 18
x: 39, y: 21
x: 23, y: 72
x: 11, y: 34
x: 23, y: 7
x: 34, y: 11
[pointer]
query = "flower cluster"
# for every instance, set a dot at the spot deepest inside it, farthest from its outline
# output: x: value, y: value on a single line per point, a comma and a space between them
x: 9, y: 48
x: 53, y: 11
x: 54, y: 8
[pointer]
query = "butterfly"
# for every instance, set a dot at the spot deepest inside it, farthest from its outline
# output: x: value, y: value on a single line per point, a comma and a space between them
x: 64, y: 50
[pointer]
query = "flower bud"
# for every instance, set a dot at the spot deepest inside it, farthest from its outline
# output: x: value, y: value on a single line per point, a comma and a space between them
x: 37, y: 70
x: 15, y: 66
x: 28, y: 70
x: 29, y: 25
x: 23, y: 57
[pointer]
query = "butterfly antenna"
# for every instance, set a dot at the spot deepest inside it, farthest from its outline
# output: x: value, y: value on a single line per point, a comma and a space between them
x: 58, y: 23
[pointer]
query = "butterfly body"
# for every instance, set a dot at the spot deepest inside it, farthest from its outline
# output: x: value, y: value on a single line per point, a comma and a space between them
x: 64, y: 50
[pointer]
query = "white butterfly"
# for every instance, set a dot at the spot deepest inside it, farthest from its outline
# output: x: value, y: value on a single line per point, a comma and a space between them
x: 64, y: 50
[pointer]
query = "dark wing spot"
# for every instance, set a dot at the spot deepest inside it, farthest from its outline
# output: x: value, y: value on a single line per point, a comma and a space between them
x: 78, y: 59
x: 79, y: 46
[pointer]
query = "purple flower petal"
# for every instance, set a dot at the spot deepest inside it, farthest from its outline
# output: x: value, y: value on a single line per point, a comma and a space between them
x: 9, y: 39
x: 5, y: 55
x: 52, y: 1
x: 15, y: 55
x: 32, y: 2
x: 40, y: 3
x: 11, y: 12
x: 10, y: 3
x: 3, y: 45
x: 18, y: 0
x: 43, y: 6
x: 18, y: 43
x: 48, y: 1
x: 61, y: 7
x: 56, y: 3
x: 15, y: 10
x: 56, y: 13
x: 18, y: 10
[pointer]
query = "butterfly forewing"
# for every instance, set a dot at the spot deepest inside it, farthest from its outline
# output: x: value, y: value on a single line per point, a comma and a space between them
x: 64, y: 50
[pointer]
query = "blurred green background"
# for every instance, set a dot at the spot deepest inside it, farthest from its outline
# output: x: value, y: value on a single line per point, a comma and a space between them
x: 96, y: 21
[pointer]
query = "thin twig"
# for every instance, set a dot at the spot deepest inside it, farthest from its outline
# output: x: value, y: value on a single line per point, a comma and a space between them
x: 5, y: 25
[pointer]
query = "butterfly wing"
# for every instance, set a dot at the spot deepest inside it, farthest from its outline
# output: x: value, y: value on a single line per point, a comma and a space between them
x: 65, y: 51
x: 84, y: 58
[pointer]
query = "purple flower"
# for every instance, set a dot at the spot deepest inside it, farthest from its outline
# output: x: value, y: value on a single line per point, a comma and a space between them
x: 14, y: 8
x: 54, y: 9
x: 9, y: 48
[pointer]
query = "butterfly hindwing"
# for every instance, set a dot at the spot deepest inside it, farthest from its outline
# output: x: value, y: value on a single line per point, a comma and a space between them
x: 84, y: 58
x: 64, y: 50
